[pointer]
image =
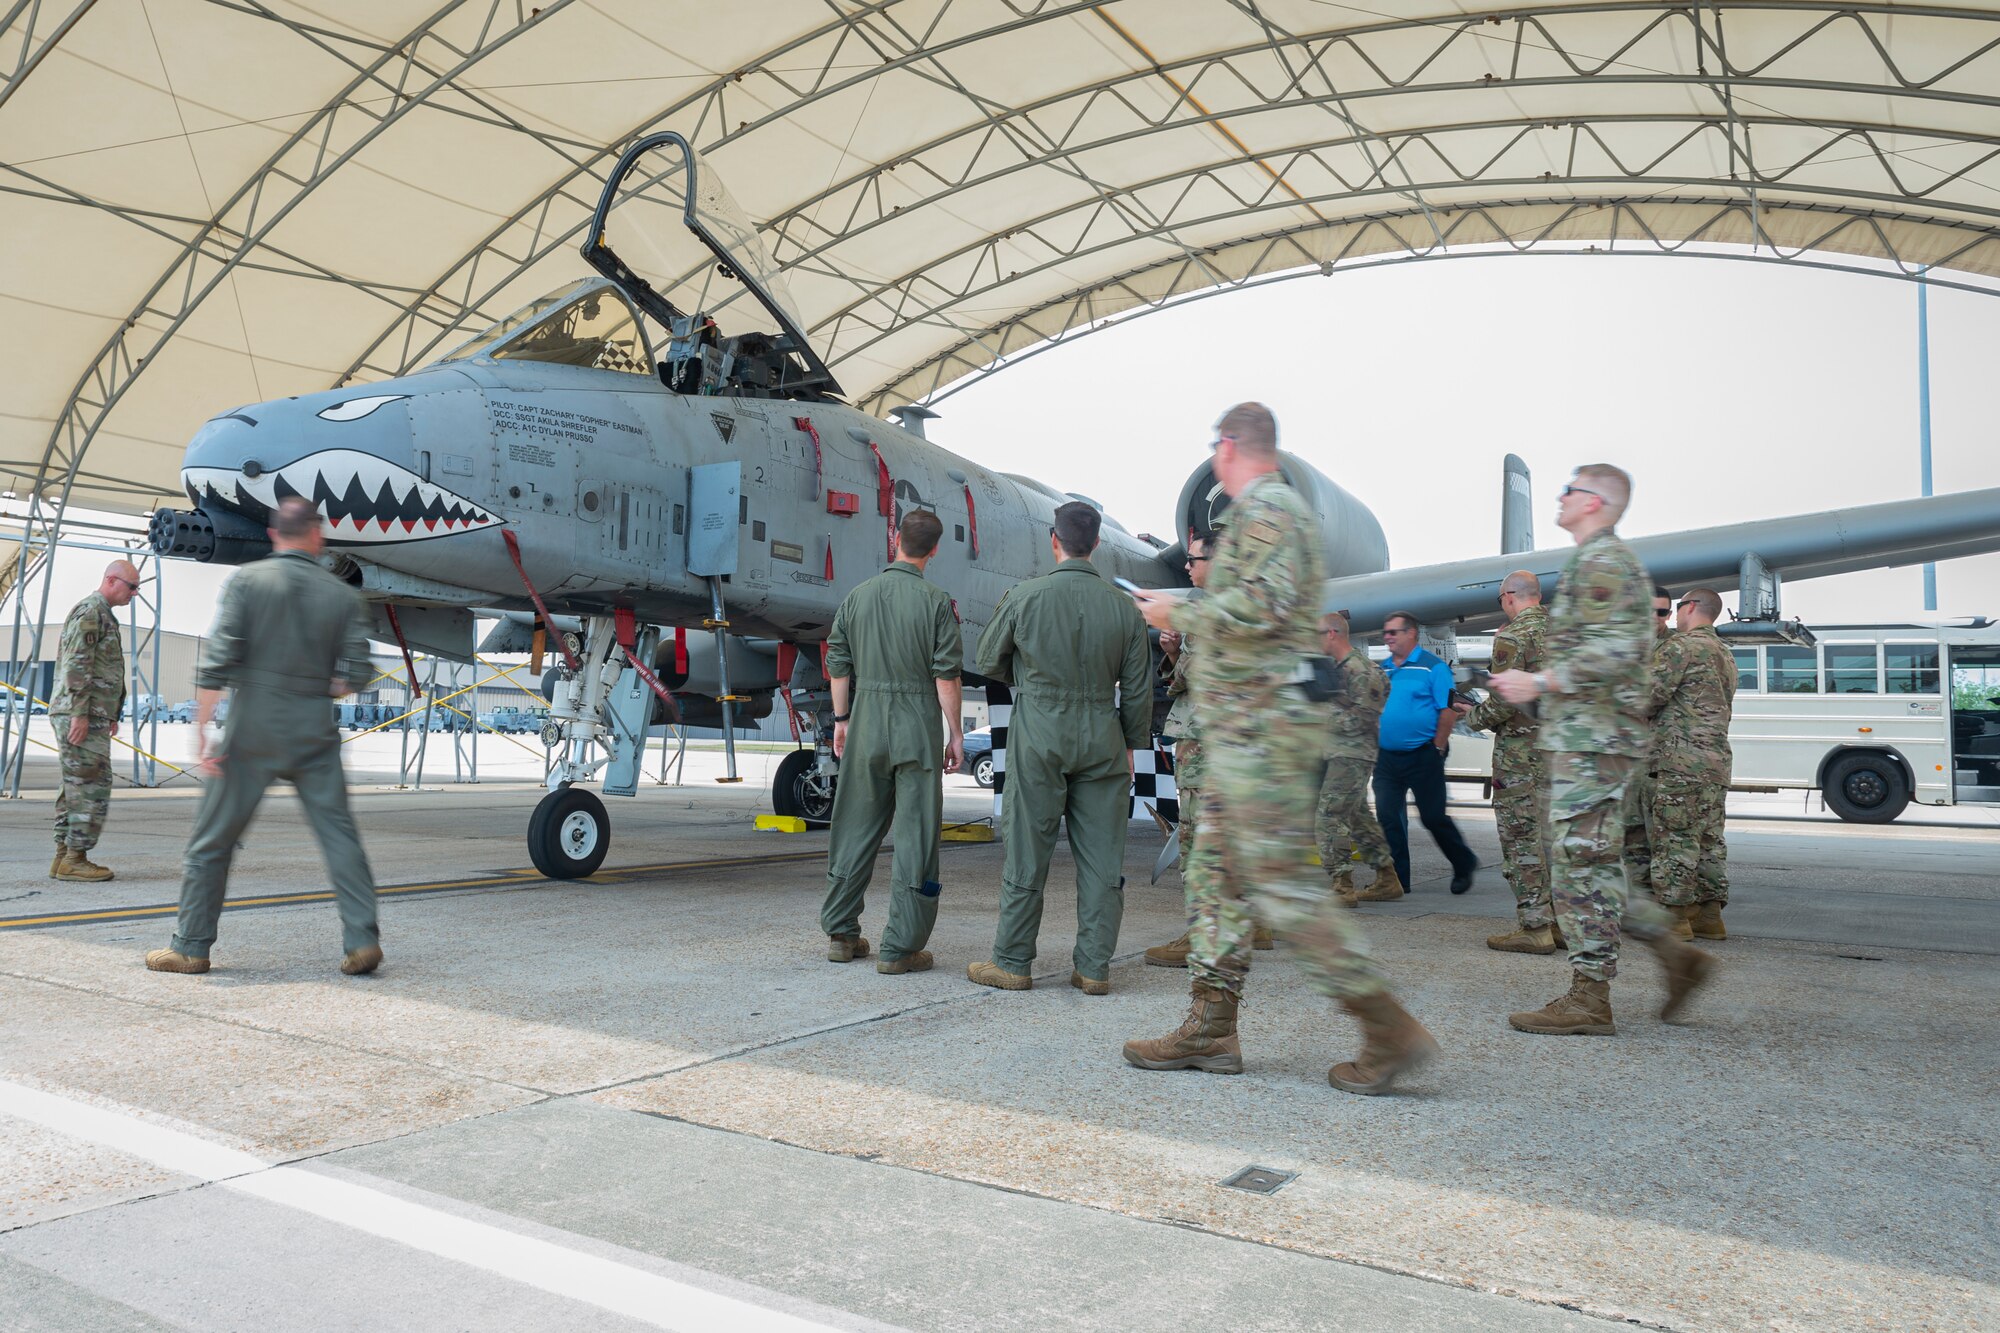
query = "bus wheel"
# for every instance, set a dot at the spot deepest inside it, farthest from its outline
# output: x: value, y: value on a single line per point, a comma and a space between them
x: 1866, y: 788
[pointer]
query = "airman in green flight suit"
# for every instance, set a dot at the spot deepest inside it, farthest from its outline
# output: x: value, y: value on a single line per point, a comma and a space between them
x: 1075, y: 651
x: 893, y: 660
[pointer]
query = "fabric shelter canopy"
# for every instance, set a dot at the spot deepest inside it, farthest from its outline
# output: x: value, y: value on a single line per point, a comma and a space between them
x: 214, y: 202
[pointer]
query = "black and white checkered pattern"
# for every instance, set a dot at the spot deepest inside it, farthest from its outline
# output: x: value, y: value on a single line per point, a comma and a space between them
x: 1152, y: 770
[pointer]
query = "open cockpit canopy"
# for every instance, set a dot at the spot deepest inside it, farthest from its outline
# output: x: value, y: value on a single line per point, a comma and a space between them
x: 668, y: 233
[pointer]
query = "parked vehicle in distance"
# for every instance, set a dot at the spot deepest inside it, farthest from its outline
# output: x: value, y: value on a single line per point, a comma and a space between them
x: 180, y: 712
x: 513, y: 720
x: 144, y: 707
x: 979, y: 755
x: 1874, y: 717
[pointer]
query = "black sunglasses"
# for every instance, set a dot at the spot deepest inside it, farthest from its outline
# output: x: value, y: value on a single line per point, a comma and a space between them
x: 1568, y: 491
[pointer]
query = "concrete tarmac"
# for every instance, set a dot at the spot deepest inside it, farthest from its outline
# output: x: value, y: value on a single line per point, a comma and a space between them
x: 645, y: 1100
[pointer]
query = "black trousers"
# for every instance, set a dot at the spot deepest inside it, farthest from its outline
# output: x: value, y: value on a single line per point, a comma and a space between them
x: 1400, y: 774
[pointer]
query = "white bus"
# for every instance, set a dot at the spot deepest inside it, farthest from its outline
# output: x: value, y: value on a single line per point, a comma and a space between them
x: 1872, y: 717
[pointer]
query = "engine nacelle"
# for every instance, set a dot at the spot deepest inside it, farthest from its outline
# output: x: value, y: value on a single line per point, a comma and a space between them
x: 1350, y: 536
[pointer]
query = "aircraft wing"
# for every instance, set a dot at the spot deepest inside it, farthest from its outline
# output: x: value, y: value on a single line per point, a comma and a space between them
x: 1804, y: 546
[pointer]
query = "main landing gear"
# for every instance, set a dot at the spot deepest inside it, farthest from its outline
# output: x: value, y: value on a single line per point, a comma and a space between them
x: 804, y: 787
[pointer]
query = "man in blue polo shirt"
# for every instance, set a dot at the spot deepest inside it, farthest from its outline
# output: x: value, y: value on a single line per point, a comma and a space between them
x: 1416, y: 731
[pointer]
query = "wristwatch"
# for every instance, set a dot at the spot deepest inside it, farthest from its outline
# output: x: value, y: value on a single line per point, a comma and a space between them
x: 1543, y: 684
x: 842, y: 717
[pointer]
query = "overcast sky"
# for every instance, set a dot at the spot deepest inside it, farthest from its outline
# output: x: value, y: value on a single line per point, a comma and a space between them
x: 1731, y: 391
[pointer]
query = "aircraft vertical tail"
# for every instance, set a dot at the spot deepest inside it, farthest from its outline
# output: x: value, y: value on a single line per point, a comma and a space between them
x: 1517, y: 522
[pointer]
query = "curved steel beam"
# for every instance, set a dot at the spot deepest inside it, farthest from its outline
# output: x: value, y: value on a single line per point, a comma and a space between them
x: 1286, y: 252
x: 34, y: 50
x: 981, y: 262
x: 212, y: 255
x: 1530, y: 28
x: 708, y: 104
x: 1077, y: 104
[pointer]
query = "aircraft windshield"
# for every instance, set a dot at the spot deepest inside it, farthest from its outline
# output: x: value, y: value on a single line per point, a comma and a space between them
x: 667, y: 230
x: 597, y: 330
x: 584, y: 324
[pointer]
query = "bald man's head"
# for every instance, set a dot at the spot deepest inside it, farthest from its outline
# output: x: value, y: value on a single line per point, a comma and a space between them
x: 1522, y: 583
x: 120, y: 582
x: 1701, y: 606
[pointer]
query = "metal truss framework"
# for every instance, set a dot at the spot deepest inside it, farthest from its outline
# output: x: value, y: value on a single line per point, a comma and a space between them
x: 1734, y: 152
x: 1730, y: 231
x: 1527, y: 48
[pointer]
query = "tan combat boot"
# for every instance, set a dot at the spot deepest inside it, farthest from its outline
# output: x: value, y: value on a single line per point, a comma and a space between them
x: 62, y: 855
x: 1342, y: 884
x: 1686, y: 967
x: 1542, y: 939
x: 1391, y: 1042
x: 1089, y: 986
x: 1387, y: 888
x: 1205, y: 1040
x: 360, y: 962
x: 78, y: 867
x: 1683, y: 919
x: 1584, y: 1011
x: 920, y: 961
x: 1260, y: 937
x: 845, y: 948
x: 1708, y: 922
x: 996, y: 976
x: 166, y: 960
x: 1171, y: 954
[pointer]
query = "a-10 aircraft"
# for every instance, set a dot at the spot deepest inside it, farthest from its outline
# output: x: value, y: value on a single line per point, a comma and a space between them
x: 651, y: 473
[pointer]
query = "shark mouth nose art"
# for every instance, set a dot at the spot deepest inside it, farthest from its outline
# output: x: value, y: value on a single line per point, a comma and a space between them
x: 363, y: 498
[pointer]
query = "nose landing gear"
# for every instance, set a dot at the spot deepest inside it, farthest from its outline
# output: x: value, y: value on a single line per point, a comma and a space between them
x: 569, y: 833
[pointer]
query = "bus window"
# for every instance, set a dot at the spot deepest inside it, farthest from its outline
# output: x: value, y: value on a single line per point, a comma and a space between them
x: 1912, y: 668
x: 1850, y: 668
x: 1791, y: 670
x: 1746, y: 669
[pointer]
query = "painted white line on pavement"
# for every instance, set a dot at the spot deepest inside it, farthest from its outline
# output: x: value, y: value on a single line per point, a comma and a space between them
x: 557, y: 1269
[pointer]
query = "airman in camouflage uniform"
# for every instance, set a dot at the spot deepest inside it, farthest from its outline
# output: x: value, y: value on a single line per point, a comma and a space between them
x: 1188, y: 780
x: 90, y: 694
x: 1264, y: 740
x: 1593, y: 736
x: 1518, y: 784
x: 1519, y: 773
x: 1639, y: 795
x: 1346, y: 828
x: 1694, y: 691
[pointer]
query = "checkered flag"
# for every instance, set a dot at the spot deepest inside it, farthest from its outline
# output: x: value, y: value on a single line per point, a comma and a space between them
x: 1152, y: 769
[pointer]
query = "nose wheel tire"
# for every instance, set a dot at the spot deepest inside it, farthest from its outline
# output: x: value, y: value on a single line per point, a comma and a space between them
x: 569, y: 834
x: 799, y: 789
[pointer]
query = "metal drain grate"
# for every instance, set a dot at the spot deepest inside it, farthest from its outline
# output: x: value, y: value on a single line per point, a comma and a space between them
x: 1260, y: 1180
